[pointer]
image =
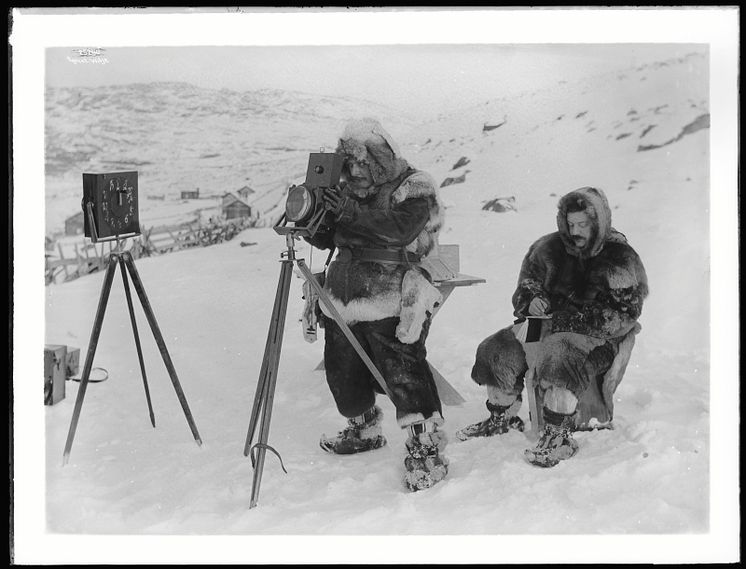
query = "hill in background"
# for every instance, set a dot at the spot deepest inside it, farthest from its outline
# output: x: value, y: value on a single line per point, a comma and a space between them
x: 182, y: 137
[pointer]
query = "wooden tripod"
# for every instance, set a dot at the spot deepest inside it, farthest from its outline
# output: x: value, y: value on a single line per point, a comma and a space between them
x: 127, y: 264
x: 265, y: 390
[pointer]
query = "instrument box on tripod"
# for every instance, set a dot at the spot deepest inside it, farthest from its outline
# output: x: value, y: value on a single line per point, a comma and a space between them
x: 55, y: 373
x: 110, y: 207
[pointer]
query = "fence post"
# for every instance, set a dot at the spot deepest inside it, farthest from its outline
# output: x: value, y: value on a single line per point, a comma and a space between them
x: 79, y: 259
x: 62, y: 257
x: 87, y: 258
x: 175, y: 239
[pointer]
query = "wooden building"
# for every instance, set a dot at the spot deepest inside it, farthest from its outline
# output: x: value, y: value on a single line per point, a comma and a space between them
x: 227, y: 199
x: 74, y: 224
x: 236, y: 209
x: 245, y: 192
x: 190, y: 194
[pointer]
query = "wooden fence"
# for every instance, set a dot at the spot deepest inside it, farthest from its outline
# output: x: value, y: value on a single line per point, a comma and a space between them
x: 87, y: 258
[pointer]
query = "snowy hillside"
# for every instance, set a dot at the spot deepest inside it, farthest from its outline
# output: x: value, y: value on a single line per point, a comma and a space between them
x: 647, y: 476
x: 182, y: 137
x: 595, y: 132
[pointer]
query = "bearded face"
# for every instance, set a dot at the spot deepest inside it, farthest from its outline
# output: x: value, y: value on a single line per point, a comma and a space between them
x: 580, y: 228
x: 359, y: 178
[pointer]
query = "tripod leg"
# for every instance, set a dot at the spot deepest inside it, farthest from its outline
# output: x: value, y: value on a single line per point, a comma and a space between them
x: 128, y: 294
x: 261, y: 387
x: 344, y: 327
x: 95, y: 333
x: 268, y: 380
x: 280, y: 297
x: 161, y: 343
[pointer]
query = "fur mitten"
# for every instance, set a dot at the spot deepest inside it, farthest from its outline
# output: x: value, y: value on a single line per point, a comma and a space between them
x: 418, y: 298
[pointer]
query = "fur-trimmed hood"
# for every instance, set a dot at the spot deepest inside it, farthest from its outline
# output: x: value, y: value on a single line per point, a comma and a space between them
x: 597, y: 208
x: 366, y: 141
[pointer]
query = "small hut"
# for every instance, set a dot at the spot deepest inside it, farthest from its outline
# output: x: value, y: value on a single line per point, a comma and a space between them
x: 227, y: 199
x: 236, y: 210
x: 190, y: 194
x: 74, y: 224
x: 245, y: 192
x: 233, y: 207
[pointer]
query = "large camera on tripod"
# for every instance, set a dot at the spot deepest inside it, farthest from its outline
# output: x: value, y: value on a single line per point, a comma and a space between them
x: 305, y: 211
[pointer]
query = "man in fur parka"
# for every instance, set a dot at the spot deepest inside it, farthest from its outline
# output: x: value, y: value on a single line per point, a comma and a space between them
x: 387, y: 219
x: 591, y: 284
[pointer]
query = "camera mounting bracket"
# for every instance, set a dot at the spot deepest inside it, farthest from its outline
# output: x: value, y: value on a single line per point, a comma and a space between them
x: 309, y: 230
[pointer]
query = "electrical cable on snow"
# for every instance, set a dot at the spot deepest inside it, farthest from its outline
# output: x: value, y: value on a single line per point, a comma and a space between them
x: 93, y: 380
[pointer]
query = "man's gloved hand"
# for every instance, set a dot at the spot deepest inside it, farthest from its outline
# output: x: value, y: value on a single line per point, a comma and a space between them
x: 538, y: 307
x: 339, y: 204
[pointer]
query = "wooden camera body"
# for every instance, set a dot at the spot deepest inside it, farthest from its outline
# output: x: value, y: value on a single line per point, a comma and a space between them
x: 304, y: 207
x: 109, y: 204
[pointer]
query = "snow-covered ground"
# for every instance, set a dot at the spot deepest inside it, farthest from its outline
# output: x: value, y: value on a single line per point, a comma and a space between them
x: 650, y: 475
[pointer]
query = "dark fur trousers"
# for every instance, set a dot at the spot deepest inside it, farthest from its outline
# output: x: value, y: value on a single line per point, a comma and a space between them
x: 403, y: 367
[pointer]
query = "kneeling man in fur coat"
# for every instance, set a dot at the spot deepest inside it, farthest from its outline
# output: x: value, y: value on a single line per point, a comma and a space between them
x: 387, y: 219
x: 591, y: 284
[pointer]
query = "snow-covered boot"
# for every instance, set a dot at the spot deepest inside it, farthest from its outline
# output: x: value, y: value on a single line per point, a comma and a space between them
x: 362, y: 433
x: 424, y: 465
x: 498, y: 423
x: 556, y: 442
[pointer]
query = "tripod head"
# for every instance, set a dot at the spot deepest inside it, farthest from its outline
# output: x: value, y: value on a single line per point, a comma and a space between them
x: 290, y: 238
x: 307, y: 229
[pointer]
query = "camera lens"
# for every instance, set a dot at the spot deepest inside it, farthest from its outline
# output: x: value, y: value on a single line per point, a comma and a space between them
x: 299, y: 204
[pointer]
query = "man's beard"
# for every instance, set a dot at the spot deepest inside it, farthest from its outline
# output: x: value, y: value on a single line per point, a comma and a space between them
x: 359, y: 191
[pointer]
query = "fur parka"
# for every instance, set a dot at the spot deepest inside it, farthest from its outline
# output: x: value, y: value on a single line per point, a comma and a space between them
x: 402, y: 212
x: 597, y: 291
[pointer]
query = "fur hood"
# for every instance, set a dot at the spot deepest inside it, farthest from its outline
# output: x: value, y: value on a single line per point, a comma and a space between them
x: 366, y: 141
x: 598, y: 210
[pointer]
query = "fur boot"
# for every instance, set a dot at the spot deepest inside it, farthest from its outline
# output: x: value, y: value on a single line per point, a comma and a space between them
x: 500, y: 421
x: 362, y: 433
x: 556, y: 442
x: 424, y: 465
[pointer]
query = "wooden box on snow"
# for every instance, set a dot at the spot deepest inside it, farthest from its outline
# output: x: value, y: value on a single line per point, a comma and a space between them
x: 72, y: 361
x: 55, y: 372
